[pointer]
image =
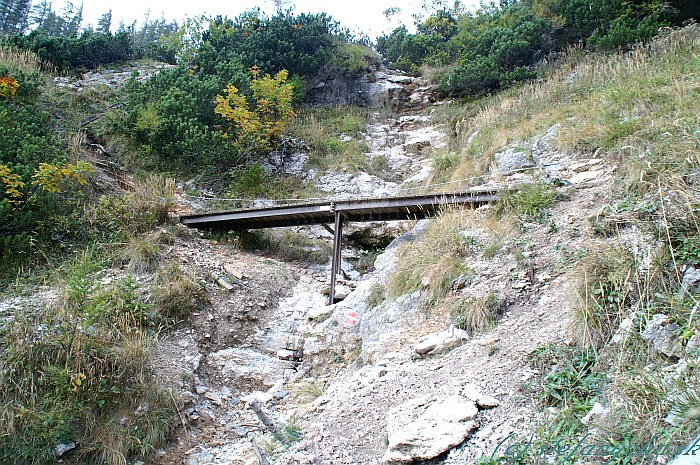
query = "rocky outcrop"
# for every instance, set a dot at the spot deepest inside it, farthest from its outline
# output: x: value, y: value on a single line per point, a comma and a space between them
x: 111, y: 78
x: 377, y: 88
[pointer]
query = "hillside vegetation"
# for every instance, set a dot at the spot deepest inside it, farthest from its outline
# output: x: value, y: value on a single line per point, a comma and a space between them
x: 75, y: 367
x: 638, y: 110
x: 478, y: 52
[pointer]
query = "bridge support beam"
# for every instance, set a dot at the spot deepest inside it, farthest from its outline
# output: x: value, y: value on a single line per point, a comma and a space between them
x: 335, y: 259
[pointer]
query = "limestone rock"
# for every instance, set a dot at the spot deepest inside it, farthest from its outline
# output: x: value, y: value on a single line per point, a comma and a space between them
x: 376, y: 233
x: 422, y: 429
x: 61, y: 449
x: 692, y: 344
x: 624, y: 330
x: 514, y: 159
x: 443, y: 340
x: 482, y: 400
x: 286, y: 354
x: 249, y: 366
x: 661, y: 333
x: 319, y: 314
x: 214, y: 397
x: 691, y: 281
x: 344, y: 186
x: 342, y: 291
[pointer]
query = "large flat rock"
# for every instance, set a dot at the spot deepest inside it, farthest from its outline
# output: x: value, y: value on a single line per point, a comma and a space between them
x: 422, y: 429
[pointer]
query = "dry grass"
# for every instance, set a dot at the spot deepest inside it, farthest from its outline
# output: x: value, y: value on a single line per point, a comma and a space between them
x: 640, y: 112
x: 176, y: 294
x: 640, y: 107
x: 141, y: 253
x: 310, y: 390
x: 24, y: 60
x: 478, y: 315
x: 436, y: 258
x: 606, y: 283
x: 322, y: 130
x: 154, y: 194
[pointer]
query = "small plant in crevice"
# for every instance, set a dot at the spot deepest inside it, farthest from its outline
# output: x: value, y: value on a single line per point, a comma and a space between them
x: 377, y: 295
x: 574, y: 382
x: 365, y: 262
x: 312, y: 390
x: 271, y: 447
x: 292, y: 432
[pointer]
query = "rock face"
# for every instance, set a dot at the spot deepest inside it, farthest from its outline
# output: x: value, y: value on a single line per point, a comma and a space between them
x: 378, y: 88
x: 112, y: 78
x: 514, y: 159
x: 479, y: 398
x: 332, y: 87
x: 422, y: 429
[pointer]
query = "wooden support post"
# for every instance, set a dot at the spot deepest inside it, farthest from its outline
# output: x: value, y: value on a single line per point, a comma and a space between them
x: 335, y: 260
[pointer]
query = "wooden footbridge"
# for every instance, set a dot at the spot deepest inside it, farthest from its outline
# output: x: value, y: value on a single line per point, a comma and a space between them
x: 411, y: 207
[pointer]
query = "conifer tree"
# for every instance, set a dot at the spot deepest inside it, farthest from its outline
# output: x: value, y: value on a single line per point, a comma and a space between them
x: 105, y: 22
x: 39, y: 13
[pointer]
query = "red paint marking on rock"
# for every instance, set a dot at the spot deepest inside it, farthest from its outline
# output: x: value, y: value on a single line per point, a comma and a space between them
x: 352, y: 318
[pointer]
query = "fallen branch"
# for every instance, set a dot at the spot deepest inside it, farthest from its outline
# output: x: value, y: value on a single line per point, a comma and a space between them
x: 269, y: 424
x: 262, y: 460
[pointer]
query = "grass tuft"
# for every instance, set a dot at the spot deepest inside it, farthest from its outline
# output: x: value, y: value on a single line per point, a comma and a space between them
x: 335, y: 139
x: 176, y: 295
x: 478, y: 315
x: 530, y: 199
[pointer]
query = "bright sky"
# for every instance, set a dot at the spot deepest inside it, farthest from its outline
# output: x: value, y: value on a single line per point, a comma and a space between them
x: 357, y: 15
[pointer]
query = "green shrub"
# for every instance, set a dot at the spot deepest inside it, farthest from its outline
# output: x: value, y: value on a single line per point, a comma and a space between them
x: 301, y: 44
x: 498, y: 46
x: 354, y: 58
x: 88, y: 51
